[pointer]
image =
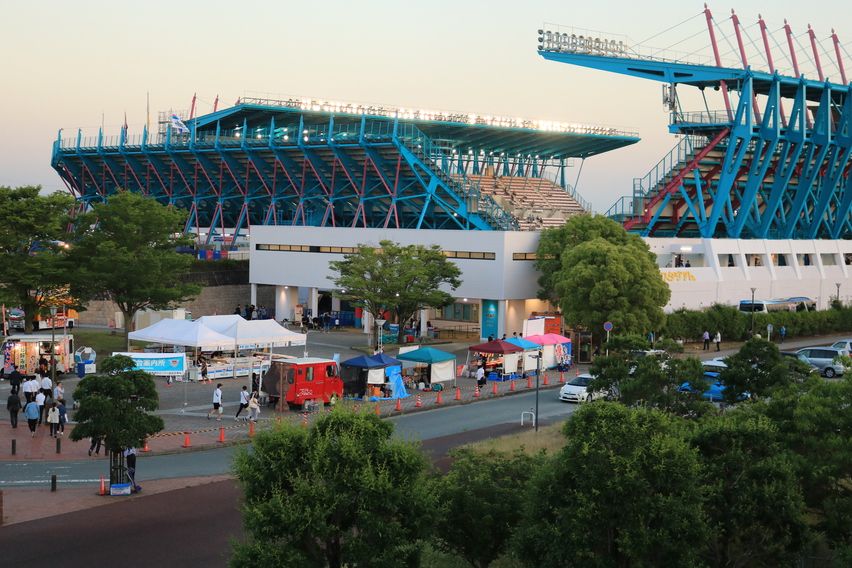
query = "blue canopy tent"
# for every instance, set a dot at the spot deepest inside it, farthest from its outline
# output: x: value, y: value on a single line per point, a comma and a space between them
x: 529, y: 364
x: 441, y: 365
x: 361, y: 374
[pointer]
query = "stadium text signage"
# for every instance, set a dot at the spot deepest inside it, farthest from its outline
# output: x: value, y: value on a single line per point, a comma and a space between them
x: 565, y: 43
x: 677, y: 276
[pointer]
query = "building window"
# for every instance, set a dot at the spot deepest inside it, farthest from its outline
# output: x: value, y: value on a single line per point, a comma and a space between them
x: 523, y: 256
x: 474, y: 255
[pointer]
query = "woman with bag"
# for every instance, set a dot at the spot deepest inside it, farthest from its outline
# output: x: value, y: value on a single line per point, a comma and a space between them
x: 53, y: 420
x: 254, y: 407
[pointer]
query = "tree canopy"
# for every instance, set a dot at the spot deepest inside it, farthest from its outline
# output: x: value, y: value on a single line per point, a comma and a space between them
x: 343, y: 493
x: 125, y: 249
x: 597, y: 272
x: 396, y: 278
x: 32, y: 227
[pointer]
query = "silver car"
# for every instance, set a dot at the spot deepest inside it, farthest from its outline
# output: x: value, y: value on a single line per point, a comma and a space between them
x: 823, y: 359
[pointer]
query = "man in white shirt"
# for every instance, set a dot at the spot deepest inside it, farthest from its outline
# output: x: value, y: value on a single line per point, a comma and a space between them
x: 480, y: 376
x: 217, y: 403
x: 30, y: 389
x: 58, y: 391
x: 244, y: 402
x: 46, y: 384
x: 39, y: 398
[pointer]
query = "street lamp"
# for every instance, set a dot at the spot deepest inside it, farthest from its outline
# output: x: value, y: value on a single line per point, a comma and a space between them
x: 537, y: 375
x: 752, y: 310
x: 838, y: 292
x: 379, y: 325
x: 53, y: 310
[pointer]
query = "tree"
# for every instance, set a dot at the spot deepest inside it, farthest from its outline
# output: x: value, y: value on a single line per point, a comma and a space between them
x: 114, y: 407
x: 31, y: 228
x: 754, y: 372
x: 752, y: 497
x: 125, y: 250
x: 622, y: 492
x: 401, y: 279
x: 343, y: 493
x: 597, y: 272
x: 481, y: 501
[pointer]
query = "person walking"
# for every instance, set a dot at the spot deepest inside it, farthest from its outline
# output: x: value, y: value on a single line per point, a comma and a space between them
x: 217, y: 403
x: 13, y: 405
x: 244, y: 402
x: 96, y: 445
x: 717, y: 339
x: 130, y: 459
x: 706, y: 337
x: 29, y: 394
x: 783, y: 332
x: 52, y: 419
x: 58, y: 391
x: 46, y: 385
x: 15, y: 380
x: 254, y: 407
x: 31, y: 411
x: 63, y: 415
x: 39, y: 400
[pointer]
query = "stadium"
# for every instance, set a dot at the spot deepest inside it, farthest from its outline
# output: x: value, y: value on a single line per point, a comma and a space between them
x: 752, y: 200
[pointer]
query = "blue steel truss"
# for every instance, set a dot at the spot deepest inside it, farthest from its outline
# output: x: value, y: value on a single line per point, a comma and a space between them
x: 257, y: 164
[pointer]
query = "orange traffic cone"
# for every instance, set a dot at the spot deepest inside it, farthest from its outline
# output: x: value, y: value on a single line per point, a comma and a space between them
x: 305, y: 419
x: 546, y: 382
x: 145, y: 447
x: 186, y: 443
x: 419, y: 401
x: 529, y: 382
x: 561, y: 377
x: 513, y: 385
x: 399, y: 404
x: 458, y: 393
x: 103, y: 486
x: 221, y: 433
x: 439, y: 400
x: 494, y: 390
x: 251, y: 429
x: 476, y: 392
x: 377, y: 409
x: 577, y: 373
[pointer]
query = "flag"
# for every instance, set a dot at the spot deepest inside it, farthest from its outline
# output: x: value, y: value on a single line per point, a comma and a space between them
x: 178, y: 126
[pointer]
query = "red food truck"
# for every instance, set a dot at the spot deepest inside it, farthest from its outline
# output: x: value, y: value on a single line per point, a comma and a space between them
x: 295, y: 381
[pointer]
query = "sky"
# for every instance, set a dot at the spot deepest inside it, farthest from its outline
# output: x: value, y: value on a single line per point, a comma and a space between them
x: 80, y: 65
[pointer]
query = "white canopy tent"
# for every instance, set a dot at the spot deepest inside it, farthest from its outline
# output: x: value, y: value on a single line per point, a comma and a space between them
x: 248, y: 334
x: 184, y: 332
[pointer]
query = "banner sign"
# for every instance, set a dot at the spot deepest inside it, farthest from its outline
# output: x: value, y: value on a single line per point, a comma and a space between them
x: 160, y: 364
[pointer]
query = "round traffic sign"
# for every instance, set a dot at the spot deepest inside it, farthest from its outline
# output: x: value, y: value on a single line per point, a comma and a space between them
x: 769, y: 328
x: 607, y: 326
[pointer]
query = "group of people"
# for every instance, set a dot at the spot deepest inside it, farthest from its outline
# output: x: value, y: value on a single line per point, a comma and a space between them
x: 43, y: 403
x: 248, y: 401
x: 717, y: 339
x: 324, y: 322
x: 250, y: 312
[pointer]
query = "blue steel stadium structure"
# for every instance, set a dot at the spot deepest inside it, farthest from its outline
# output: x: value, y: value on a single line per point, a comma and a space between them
x: 323, y: 164
x: 773, y: 164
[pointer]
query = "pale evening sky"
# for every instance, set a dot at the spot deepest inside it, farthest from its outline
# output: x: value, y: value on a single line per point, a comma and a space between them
x: 73, y: 65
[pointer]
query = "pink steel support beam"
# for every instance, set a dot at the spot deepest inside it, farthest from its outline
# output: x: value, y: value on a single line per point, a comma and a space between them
x: 216, y: 103
x: 737, y: 27
x: 722, y: 84
x: 839, y: 59
x: 816, y: 53
x: 151, y: 168
x: 192, y: 108
x: 789, y: 33
x: 763, y: 33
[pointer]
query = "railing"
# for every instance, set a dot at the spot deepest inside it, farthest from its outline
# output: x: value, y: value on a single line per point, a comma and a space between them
x: 701, y: 117
x: 569, y: 189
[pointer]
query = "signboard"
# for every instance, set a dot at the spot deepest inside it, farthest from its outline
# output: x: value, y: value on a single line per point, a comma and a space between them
x: 160, y: 364
x: 608, y: 326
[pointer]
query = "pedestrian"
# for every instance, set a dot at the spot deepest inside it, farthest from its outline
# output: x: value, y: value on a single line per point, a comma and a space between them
x: 783, y: 332
x: 58, y: 391
x: 253, y: 313
x: 46, y: 384
x: 514, y: 335
x: 39, y: 400
x: 336, y: 323
x: 261, y: 313
x: 15, y: 379
x: 33, y: 382
x: 706, y: 337
x: 52, y: 419
x: 244, y: 396
x: 255, y: 382
x: 249, y: 311
x: 217, y: 403
x: 238, y: 310
x: 31, y: 411
x: 13, y: 405
x: 480, y: 376
x: 29, y: 395
x: 96, y: 445
x: 254, y: 407
x: 202, y: 362
x: 491, y: 337
x: 504, y: 337
x: 63, y: 415
x: 130, y: 459
x: 717, y: 339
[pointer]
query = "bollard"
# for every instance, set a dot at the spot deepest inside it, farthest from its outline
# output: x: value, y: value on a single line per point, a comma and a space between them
x: 476, y: 392
x: 378, y: 412
x: 419, y: 401
x: 58, y: 445
x: 251, y: 429
x: 305, y: 419
x: 53, y: 483
x: 186, y: 443
x: 14, y: 447
x: 103, y: 486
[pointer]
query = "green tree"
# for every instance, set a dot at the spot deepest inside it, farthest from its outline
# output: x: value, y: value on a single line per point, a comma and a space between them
x: 597, y: 272
x: 31, y: 227
x: 396, y: 278
x: 114, y: 407
x: 622, y: 492
x: 754, y: 372
x: 481, y: 501
x: 125, y: 250
x: 343, y: 493
x: 753, y: 501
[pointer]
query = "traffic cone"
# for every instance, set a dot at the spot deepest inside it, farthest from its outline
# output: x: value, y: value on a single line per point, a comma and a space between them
x: 561, y: 377
x: 439, y: 400
x: 379, y: 412
x: 419, y: 401
x: 103, y: 486
x: 305, y: 419
x: 546, y: 381
x: 398, y: 404
x: 186, y: 443
x: 221, y: 433
x: 494, y: 390
x: 476, y: 392
x: 251, y: 429
x: 145, y: 447
x: 513, y: 385
x: 577, y: 373
x: 529, y: 382
x: 458, y: 393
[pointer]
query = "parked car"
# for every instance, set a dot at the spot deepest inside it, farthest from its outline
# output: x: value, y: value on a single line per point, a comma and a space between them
x: 844, y: 344
x: 823, y: 358
x: 714, y: 393
x: 715, y: 365
x: 802, y: 358
x: 638, y: 355
x: 577, y: 390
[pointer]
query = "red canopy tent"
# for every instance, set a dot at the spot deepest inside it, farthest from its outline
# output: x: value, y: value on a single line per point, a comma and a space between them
x: 500, y: 347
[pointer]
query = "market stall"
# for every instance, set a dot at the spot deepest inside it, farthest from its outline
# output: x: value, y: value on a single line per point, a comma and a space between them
x: 252, y: 334
x: 527, y: 363
x: 556, y: 349
x: 435, y: 366
x: 500, y: 358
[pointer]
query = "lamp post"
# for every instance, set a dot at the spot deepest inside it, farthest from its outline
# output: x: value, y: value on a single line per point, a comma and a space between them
x: 537, y: 376
x: 53, y: 310
x: 379, y: 325
x: 838, y: 292
x: 752, y: 310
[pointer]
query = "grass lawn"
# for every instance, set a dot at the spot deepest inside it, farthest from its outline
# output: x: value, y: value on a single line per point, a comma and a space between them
x: 103, y: 342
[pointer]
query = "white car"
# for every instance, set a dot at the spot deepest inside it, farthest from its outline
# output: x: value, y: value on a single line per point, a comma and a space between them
x: 715, y: 365
x: 577, y: 390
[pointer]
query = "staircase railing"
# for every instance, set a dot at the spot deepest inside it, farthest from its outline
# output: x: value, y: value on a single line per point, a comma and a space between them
x: 569, y: 189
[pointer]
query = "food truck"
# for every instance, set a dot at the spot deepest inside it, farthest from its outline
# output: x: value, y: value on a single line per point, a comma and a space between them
x: 17, y: 320
x: 24, y: 351
x: 294, y: 381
